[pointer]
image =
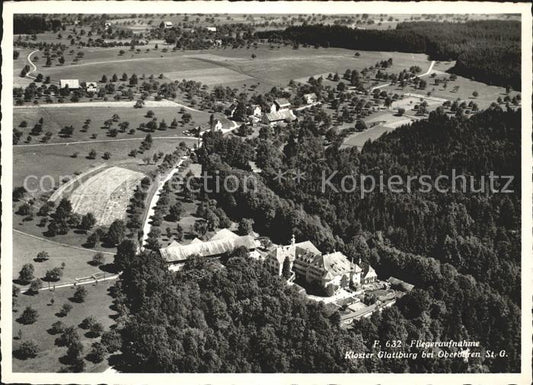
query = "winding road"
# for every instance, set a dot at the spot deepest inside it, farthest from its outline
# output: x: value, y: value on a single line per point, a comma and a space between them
x: 34, y: 67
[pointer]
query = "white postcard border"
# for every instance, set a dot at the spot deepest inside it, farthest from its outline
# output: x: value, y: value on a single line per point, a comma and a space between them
x: 304, y: 7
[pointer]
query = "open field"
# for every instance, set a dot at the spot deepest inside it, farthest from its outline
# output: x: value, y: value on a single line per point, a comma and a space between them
x: 57, y: 117
x: 56, y: 161
x: 386, y: 121
x: 106, y: 194
x: 97, y: 304
x: 233, y: 67
x: 466, y: 87
x: 26, y: 247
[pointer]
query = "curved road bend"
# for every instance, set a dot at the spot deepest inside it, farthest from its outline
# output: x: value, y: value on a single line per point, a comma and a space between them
x: 34, y: 67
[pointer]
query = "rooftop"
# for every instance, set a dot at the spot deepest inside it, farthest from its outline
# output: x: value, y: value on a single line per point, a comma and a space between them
x: 222, y: 242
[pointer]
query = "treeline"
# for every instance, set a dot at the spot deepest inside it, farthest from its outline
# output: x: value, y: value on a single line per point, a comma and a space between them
x: 30, y: 24
x: 233, y: 318
x: 487, y: 51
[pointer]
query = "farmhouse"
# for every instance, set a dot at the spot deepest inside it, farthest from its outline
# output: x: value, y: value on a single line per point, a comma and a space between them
x: 280, y: 104
x: 212, y: 29
x: 310, y: 98
x: 308, y: 263
x: 168, y: 24
x: 223, y: 241
x: 275, y: 117
x: 72, y: 84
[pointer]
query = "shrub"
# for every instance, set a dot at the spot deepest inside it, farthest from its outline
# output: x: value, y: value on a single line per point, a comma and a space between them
x: 26, y: 273
x: 111, y: 340
x: 98, y: 259
x: 98, y: 352
x: 42, y: 256
x: 88, y: 322
x: 57, y: 327
x: 96, y: 329
x: 80, y: 294
x: 54, y: 274
x: 65, y: 309
x: 35, y: 286
x: 27, y: 349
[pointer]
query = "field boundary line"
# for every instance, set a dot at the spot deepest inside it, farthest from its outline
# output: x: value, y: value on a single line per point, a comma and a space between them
x: 61, y: 243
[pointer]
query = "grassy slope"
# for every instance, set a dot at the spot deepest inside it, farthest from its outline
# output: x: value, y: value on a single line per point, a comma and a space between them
x: 54, y: 119
x: 25, y: 249
x: 97, y: 304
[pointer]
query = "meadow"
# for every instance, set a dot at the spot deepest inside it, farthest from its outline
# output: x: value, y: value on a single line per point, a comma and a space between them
x: 57, y: 161
x: 97, y: 304
x: 272, y: 66
x: 26, y: 247
x: 57, y: 117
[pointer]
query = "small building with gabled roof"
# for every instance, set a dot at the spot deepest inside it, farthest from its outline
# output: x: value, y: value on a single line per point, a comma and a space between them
x: 280, y: 104
x: 72, y: 84
x: 223, y: 241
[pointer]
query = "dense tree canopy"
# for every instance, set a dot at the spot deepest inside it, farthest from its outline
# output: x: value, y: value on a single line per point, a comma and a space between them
x: 232, y: 318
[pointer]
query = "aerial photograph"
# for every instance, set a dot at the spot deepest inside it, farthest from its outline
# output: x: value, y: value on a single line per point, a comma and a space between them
x: 266, y: 193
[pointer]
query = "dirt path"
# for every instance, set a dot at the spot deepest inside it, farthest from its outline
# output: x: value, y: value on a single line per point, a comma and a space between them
x: 111, y: 277
x: 34, y: 67
x: 100, y: 141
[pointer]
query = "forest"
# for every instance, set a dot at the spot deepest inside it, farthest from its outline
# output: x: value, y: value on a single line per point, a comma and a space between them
x: 30, y: 24
x: 460, y: 249
x: 487, y: 51
x: 235, y: 317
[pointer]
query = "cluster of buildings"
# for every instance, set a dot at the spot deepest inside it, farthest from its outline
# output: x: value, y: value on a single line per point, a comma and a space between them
x: 280, y: 111
x: 327, y: 271
x: 303, y: 260
x: 74, y: 84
